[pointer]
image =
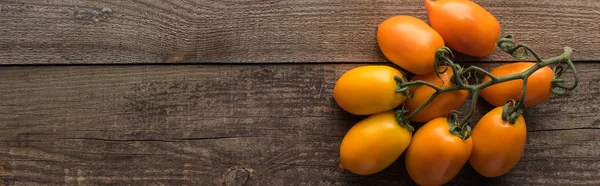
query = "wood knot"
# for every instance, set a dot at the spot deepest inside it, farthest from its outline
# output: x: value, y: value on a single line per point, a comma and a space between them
x: 93, y: 15
x: 237, y: 176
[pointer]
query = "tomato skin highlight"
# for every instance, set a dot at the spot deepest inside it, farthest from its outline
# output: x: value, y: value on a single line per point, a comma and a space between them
x: 538, y: 85
x: 442, y: 103
x: 366, y: 90
x: 465, y: 26
x: 497, y: 144
x: 435, y: 156
x: 373, y: 144
x: 409, y: 43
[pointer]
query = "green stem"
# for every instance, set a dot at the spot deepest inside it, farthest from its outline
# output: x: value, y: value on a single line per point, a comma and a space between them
x: 508, y: 45
x: 423, y: 105
x: 437, y: 89
x: 511, y: 112
x: 557, y: 82
x: 478, y: 69
x: 421, y: 82
x: 529, y: 71
x: 521, y: 101
x: 457, y: 69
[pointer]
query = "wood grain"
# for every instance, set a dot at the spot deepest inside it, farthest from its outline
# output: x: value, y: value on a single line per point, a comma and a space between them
x: 268, y: 31
x: 237, y: 124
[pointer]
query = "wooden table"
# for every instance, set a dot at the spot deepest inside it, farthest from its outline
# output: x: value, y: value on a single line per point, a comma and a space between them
x: 192, y: 92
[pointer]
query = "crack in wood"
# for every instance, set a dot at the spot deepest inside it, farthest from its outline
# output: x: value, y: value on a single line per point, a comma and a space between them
x: 160, y: 140
x: 214, y: 138
x: 34, y: 160
x: 567, y: 129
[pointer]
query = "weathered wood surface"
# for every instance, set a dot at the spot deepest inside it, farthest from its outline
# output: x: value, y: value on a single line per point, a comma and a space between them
x: 230, y: 124
x: 274, y: 31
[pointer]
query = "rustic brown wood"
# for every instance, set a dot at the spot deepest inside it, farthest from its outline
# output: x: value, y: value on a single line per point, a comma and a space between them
x: 273, y: 31
x: 236, y: 124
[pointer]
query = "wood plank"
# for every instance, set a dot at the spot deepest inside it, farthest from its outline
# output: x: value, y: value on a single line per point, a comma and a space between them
x: 230, y: 124
x: 273, y: 31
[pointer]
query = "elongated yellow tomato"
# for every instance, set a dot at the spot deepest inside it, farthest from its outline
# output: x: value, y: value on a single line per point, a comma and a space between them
x: 538, y: 85
x: 409, y: 43
x: 497, y: 144
x: 435, y: 155
x: 373, y: 144
x: 368, y: 90
x: 442, y: 103
x: 465, y: 26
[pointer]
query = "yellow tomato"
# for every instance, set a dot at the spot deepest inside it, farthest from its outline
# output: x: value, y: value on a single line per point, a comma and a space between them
x: 368, y: 90
x: 465, y: 26
x: 539, y: 85
x: 409, y: 43
x: 497, y: 144
x: 373, y: 144
x: 435, y: 156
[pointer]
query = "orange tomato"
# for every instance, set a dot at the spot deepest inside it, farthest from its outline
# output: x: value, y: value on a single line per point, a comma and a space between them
x: 442, y: 103
x: 373, y: 144
x: 497, y: 144
x: 368, y: 90
x: 465, y: 26
x: 435, y: 155
x: 409, y: 43
x: 538, y: 85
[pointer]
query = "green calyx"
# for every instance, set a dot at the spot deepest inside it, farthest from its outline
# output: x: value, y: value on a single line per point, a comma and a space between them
x: 511, y: 111
x: 404, y: 90
x: 403, y: 121
x: 463, y: 131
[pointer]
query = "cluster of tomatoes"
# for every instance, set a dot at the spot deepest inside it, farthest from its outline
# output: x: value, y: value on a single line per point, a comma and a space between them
x: 434, y: 155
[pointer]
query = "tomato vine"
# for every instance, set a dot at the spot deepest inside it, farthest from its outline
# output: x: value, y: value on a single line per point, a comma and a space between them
x: 513, y: 108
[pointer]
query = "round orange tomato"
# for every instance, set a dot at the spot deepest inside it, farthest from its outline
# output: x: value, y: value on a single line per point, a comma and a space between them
x: 442, y: 103
x: 465, y: 26
x: 409, y: 43
x: 497, y: 144
x: 373, y: 144
x: 435, y: 155
x: 538, y: 85
x: 368, y: 90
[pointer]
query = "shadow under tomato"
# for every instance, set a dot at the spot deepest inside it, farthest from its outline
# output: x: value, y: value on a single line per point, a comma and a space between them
x: 468, y: 176
x: 395, y: 174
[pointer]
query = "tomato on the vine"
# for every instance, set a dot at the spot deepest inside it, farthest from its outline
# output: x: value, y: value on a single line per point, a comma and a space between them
x: 497, y: 144
x: 538, y: 85
x: 465, y: 26
x: 435, y: 155
x: 373, y: 144
x: 409, y: 43
x: 442, y: 104
x: 368, y: 90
